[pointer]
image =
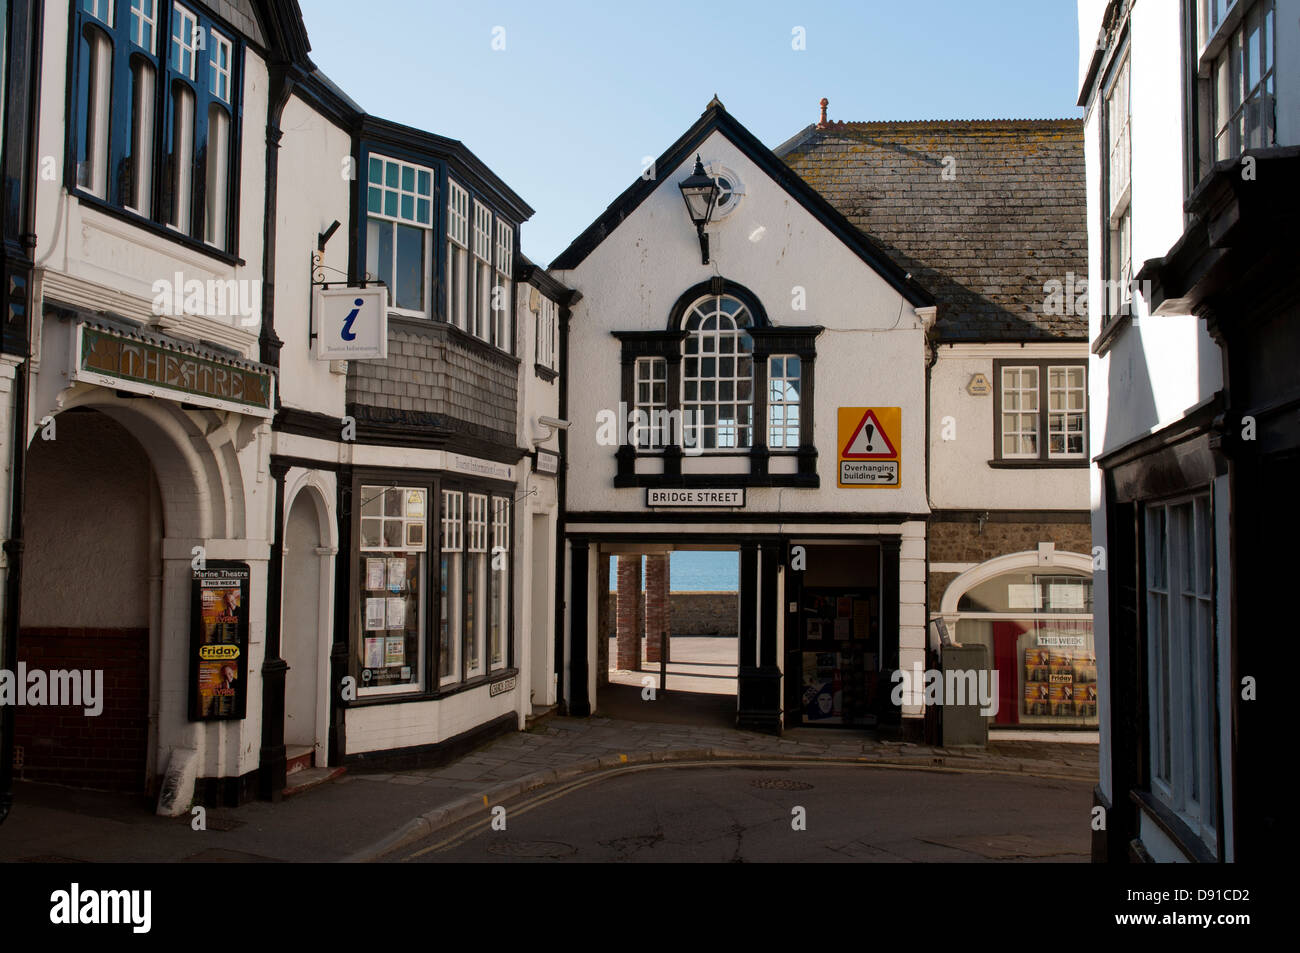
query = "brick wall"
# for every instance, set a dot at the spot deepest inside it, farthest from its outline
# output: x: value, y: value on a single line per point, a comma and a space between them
x: 436, y: 369
x: 698, y: 613
x: 108, y: 751
x: 658, y: 607
x: 627, y: 612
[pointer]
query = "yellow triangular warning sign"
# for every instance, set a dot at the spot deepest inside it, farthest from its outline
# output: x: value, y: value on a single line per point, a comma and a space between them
x: 869, y: 441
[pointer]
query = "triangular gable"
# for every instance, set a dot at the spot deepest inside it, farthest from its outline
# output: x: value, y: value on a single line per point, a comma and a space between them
x: 716, y: 119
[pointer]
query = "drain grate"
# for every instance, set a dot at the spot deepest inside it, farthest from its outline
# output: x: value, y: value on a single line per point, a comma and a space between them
x: 532, y: 848
x: 781, y: 784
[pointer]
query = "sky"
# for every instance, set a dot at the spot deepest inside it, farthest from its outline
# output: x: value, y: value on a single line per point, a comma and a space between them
x: 568, y: 101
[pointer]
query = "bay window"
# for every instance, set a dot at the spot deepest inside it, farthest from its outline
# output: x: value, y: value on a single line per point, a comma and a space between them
x: 399, y: 225
x: 476, y: 566
x: 503, y: 330
x: 179, y: 79
x: 1231, y: 52
x: 392, y: 567
x: 481, y: 324
x: 499, y: 618
x: 450, y: 586
x: 458, y: 291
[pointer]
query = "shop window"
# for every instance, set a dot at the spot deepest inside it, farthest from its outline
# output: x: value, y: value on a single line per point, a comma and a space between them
x: 476, y: 574
x: 499, y: 619
x: 783, y: 402
x: 392, y: 569
x: 457, y: 255
x: 1041, y: 415
x: 1180, y: 660
x: 450, y: 586
x: 718, y: 374
x: 399, y: 225
x: 1036, y: 627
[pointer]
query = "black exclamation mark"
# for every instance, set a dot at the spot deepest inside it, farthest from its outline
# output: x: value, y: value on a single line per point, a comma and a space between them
x: 869, y: 429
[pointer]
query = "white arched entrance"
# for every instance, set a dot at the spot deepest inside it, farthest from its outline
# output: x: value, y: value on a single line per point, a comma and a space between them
x: 138, y: 489
x: 310, y: 546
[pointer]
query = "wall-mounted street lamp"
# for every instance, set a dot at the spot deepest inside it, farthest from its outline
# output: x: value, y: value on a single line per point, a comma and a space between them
x: 700, y: 191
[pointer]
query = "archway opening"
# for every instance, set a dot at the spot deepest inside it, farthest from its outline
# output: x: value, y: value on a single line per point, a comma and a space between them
x: 92, y: 521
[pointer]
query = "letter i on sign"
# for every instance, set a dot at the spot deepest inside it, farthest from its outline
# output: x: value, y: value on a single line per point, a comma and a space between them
x: 347, y: 333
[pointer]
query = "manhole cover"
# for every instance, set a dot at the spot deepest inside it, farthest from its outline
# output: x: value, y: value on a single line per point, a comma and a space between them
x: 532, y: 848
x: 781, y: 784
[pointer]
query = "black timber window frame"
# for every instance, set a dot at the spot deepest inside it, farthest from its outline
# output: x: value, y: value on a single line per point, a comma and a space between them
x: 168, y: 81
x: 439, y: 266
x: 667, y: 346
x: 1043, y: 460
x: 434, y: 483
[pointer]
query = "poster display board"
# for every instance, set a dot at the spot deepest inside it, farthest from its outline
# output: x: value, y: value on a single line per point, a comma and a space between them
x: 219, y: 602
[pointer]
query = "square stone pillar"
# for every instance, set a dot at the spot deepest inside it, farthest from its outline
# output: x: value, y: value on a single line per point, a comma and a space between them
x: 658, y: 608
x: 628, y: 612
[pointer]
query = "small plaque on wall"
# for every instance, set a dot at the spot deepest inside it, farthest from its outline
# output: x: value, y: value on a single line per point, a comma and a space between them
x: 979, y: 386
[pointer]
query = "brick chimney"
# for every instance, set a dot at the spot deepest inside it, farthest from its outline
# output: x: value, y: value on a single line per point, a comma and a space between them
x: 821, y: 123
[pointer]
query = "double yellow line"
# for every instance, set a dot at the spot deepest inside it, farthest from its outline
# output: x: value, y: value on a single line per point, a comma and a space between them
x: 548, y: 795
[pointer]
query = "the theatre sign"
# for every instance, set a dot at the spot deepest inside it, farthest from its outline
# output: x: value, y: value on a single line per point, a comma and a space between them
x: 160, y: 366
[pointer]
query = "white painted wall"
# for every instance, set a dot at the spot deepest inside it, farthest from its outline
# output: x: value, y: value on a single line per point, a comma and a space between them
x: 960, y: 475
x: 314, y: 190
x: 871, y: 353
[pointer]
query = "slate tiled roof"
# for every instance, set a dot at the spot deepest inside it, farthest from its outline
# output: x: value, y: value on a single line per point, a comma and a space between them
x: 985, y: 242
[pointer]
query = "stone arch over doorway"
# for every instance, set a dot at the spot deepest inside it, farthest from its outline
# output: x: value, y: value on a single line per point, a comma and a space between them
x: 119, y: 491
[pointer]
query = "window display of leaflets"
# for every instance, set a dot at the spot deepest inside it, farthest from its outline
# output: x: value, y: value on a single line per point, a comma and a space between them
x: 397, y: 575
x: 1085, y: 700
x: 1061, y: 699
x: 374, y: 573
x: 395, y: 650
x: 375, y: 614
x: 844, y: 607
x: 843, y: 630
x: 396, y: 612
x: 1037, y: 664
x: 1085, y: 667
x: 375, y: 652
x: 1037, y: 695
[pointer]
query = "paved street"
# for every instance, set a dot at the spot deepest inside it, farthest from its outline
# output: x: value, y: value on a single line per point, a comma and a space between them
x: 740, y: 814
x: 365, y: 814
